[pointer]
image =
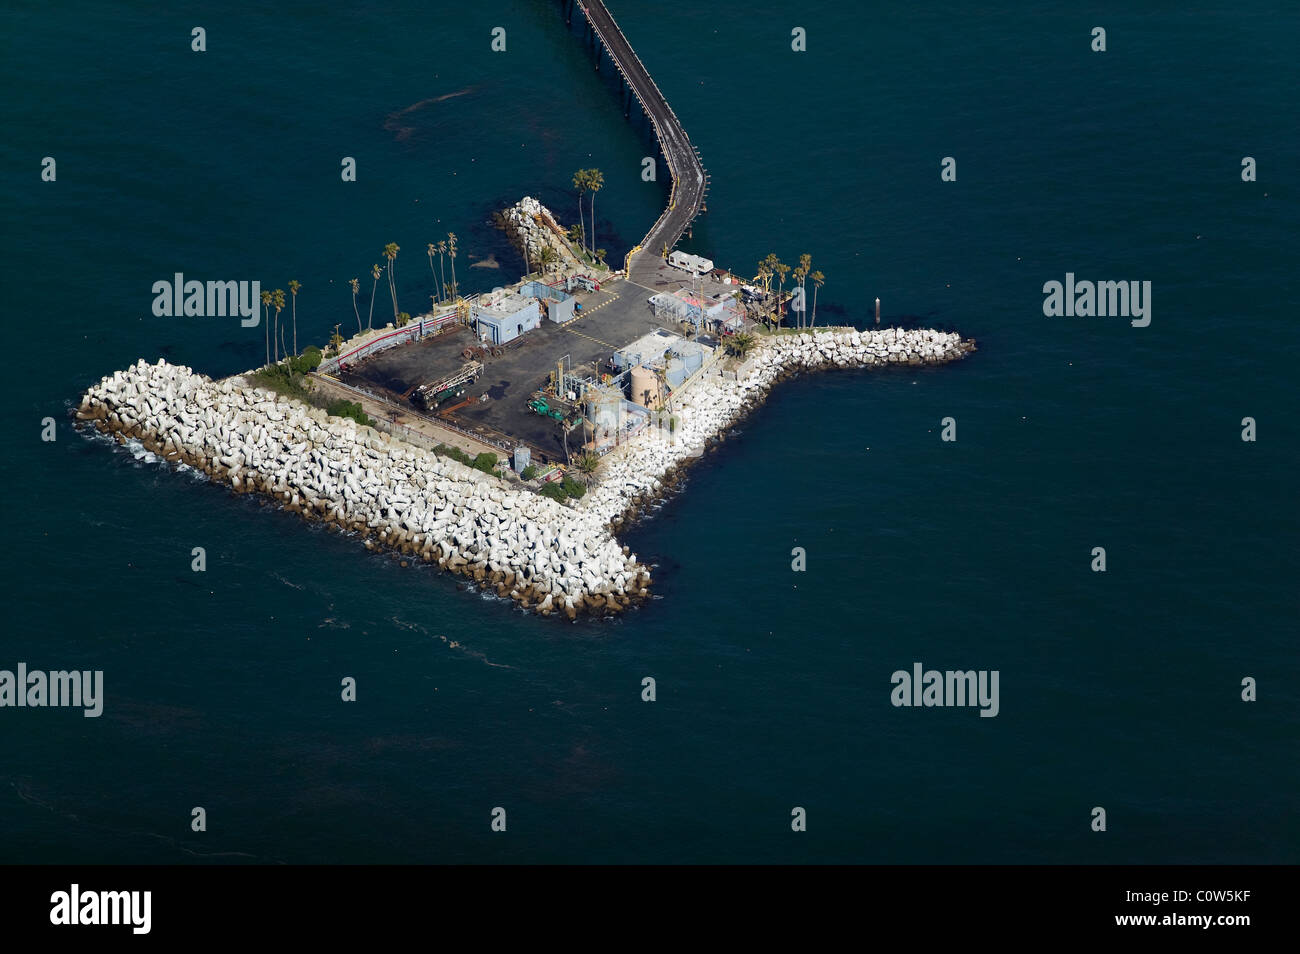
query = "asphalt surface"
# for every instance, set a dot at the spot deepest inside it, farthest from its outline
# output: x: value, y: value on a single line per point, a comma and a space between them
x: 612, y: 318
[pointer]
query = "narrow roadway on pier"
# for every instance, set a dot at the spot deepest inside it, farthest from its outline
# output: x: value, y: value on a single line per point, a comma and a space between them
x: 687, y: 198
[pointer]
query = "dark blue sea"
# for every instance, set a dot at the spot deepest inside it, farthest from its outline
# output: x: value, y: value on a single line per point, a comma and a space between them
x: 1120, y: 690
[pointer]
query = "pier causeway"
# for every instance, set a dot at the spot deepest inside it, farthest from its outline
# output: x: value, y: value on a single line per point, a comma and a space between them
x: 689, y: 180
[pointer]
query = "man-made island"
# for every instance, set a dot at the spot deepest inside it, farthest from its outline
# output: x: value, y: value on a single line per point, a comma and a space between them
x: 507, y: 436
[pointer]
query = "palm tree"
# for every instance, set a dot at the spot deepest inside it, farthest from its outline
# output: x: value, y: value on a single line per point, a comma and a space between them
x: 277, y: 302
x: 798, y: 280
x: 587, y: 465
x: 575, y: 234
x: 740, y: 344
x: 595, y: 182
x: 805, y: 266
x: 356, y: 284
x: 451, y: 253
x: 581, y: 179
x: 764, y: 276
x: 370, y: 320
x: 782, y: 271
x: 294, y: 285
x: 547, y: 258
x: 266, y: 309
x: 390, y: 253
x: 771, y: 262
x: 600, y: 255
x: 818, y: 280
x: 442, y: 249
x: 766, y: 270
x: 433, y: 248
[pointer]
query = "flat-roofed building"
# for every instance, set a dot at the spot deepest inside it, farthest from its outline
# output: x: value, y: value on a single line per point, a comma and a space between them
x: 501, y: 318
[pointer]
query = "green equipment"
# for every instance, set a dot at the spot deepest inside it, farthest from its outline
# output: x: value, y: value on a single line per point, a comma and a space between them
x: 538, y: 406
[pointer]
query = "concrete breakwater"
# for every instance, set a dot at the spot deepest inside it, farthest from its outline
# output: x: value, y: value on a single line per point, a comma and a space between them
x: 545, y: 556
x: 638, y: 470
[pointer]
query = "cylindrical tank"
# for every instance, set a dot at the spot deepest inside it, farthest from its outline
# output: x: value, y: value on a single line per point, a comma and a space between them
x: 645, y: 388
x: 693, y: 358
x: 603, y: 410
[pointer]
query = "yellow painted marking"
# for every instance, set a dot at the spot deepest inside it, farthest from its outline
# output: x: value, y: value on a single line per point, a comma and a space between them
x: 603, y: 344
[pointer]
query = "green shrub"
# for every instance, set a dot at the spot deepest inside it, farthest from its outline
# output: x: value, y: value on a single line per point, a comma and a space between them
x: 306, y: 362
x: 281, y: 379
x: 486, y: 462
x: 554, y: 491
x: 573, y: 488
x: 350, y: 409
x: 529, y: 472
x: 455, y: 453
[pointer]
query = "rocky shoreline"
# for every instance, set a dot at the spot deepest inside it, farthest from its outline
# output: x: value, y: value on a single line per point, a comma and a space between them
x: 638, y: 472
x: 547, y: 557
x: 530, y: 237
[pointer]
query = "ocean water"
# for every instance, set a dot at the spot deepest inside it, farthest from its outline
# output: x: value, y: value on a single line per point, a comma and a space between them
x: 1119, y: 689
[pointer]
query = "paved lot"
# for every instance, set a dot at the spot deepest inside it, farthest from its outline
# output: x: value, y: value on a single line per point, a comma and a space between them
x: 613, y: 317
x: 398, y: 371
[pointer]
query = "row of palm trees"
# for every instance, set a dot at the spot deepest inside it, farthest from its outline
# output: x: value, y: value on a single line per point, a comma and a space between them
x: 772, y: 267
x: 584, y: 181
x: 447, y: 247
x: 275, y: 344
x: 446, y: 291
x: 275, y: 299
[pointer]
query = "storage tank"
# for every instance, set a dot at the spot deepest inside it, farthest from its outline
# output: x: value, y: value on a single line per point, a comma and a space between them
x: 603, y: 411
x: 645, y: 388
x: 675, y: 373
x: 693, y: 360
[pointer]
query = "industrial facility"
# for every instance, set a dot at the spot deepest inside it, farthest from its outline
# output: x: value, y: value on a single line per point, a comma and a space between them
x: 718, y: 312
x: 545, y: 372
